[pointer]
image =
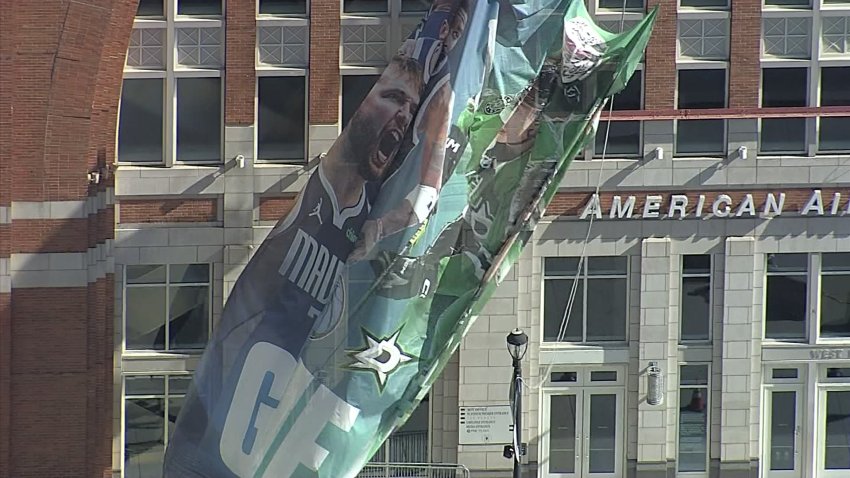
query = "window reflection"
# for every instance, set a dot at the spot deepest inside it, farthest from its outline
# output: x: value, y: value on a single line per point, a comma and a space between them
x: 562, y: 430
x: 787, y: 289
x: 837, y: 433
x: 693, y: 418
x: 600, y: 303
x: 151, y: 406
x: 783, y: 423
x: 167, y: 311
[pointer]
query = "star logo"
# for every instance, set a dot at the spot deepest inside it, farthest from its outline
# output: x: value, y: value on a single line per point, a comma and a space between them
x: 381, y: 356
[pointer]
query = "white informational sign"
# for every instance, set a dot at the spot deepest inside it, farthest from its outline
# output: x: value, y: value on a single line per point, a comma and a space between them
x: 485, y: 425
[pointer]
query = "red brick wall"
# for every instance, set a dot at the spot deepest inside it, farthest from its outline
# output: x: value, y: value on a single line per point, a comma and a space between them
x: 240, y: 45
x: 274, y: 208
x: 324, y: 62
x: 49, y: 382
x: 5, y: 381
x: 50, y: 235
x: 744, y: 57
x: 61, y: 65
x: 660, y: 75
x: 133, y: 211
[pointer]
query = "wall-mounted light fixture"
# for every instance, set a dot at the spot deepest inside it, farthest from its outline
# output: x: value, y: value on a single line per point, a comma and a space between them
x: 655, y: 384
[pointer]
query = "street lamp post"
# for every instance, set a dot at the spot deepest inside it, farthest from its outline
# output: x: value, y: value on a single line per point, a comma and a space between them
x: 517, y: 346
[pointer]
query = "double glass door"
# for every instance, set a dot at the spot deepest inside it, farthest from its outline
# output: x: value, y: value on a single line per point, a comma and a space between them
x: 585, y: 434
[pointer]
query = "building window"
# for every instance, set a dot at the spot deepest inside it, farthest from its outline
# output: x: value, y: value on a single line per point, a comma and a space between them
x: 354, y: 91
x: 834, y: 92
x: 704, y: 38
x: 283, y: 7
x: 199, y: 119
x: 784, y: 87
x: 693, y: 418
x: 704, y: 3
x: 370, y: 30
x: 787, y: 292
x: 365, y: 6
x: 140, y: 130
x: 150, y: 8
x: 281, y: 117
x: 624, y: 137
x: 787, y: 37
x: 699, y: 89
x: 151, y: 406
x: 695, y: 303
x: 618, y: 4
x: 787, y: 3
x: 600, y: 305
x: 836, y: 35
x: 167, y: 307
x: 835, y: 295
x: 171, y: 101
x: 837, y: 430
x: 199, y: 7
x: 834, y: 437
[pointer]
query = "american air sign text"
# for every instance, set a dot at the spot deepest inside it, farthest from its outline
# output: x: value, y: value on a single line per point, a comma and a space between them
x: 704, y: 205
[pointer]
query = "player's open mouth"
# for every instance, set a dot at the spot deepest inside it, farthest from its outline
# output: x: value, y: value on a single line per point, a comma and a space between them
x: 388, y: 144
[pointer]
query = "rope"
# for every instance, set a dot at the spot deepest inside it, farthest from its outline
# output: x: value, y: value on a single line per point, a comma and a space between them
x: 571, y: 300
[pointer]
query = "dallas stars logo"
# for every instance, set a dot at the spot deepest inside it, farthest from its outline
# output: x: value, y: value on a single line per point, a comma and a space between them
x: 381, y: 356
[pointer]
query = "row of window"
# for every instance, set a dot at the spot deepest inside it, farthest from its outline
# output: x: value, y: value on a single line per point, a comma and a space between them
x: 584, y: 435
x: 596, y: 294
x: 157, y: 8
x: 189, y: 128
x: 152, y: 404
x: 167, y: 308
x: 806, y: 297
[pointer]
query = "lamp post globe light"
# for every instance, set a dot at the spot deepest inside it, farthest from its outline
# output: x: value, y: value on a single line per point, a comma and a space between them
x: 517, y: 346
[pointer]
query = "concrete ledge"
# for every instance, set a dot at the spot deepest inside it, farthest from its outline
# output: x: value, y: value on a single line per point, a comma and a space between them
x: 49, y: 210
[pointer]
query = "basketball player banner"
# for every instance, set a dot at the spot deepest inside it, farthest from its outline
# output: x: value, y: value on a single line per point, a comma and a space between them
x: 349, y: 310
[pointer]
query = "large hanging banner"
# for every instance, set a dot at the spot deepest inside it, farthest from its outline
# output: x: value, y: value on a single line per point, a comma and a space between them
x: 351, y: 307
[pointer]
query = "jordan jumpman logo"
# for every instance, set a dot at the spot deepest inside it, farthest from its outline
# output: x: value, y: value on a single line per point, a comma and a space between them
x: 317, y: 211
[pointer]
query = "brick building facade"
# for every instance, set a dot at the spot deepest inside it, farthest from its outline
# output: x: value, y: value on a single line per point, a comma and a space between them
x: 147, y: 146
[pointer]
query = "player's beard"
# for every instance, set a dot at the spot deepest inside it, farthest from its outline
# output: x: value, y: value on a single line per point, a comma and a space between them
x: 372, y: 145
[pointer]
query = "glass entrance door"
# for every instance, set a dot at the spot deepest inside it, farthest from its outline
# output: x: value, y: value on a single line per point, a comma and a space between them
x: 834, y: 437
x: 603, y: 433
x: 783, y: 432
x: 564, y: 437
x: 585, y: 434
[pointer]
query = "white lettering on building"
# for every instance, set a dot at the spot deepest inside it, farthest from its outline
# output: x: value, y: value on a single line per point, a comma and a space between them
x: 651, y: 206
x: 719, y: 206
x: 815, y: 204
x: 747, y: 206
x: 678, y: 204
x: 620, y: 209
x: 593, y: 207
x: 771, y: 206
x: 700, y: 205
x: 722, y: 205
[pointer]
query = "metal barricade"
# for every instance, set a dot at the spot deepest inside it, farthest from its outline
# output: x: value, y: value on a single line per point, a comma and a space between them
x: 414, y: 470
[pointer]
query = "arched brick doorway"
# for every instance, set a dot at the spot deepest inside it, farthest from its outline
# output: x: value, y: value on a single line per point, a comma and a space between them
x: 60, y: 79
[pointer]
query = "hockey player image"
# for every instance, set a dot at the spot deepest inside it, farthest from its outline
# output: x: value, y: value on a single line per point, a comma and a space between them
x: 282, y: 294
